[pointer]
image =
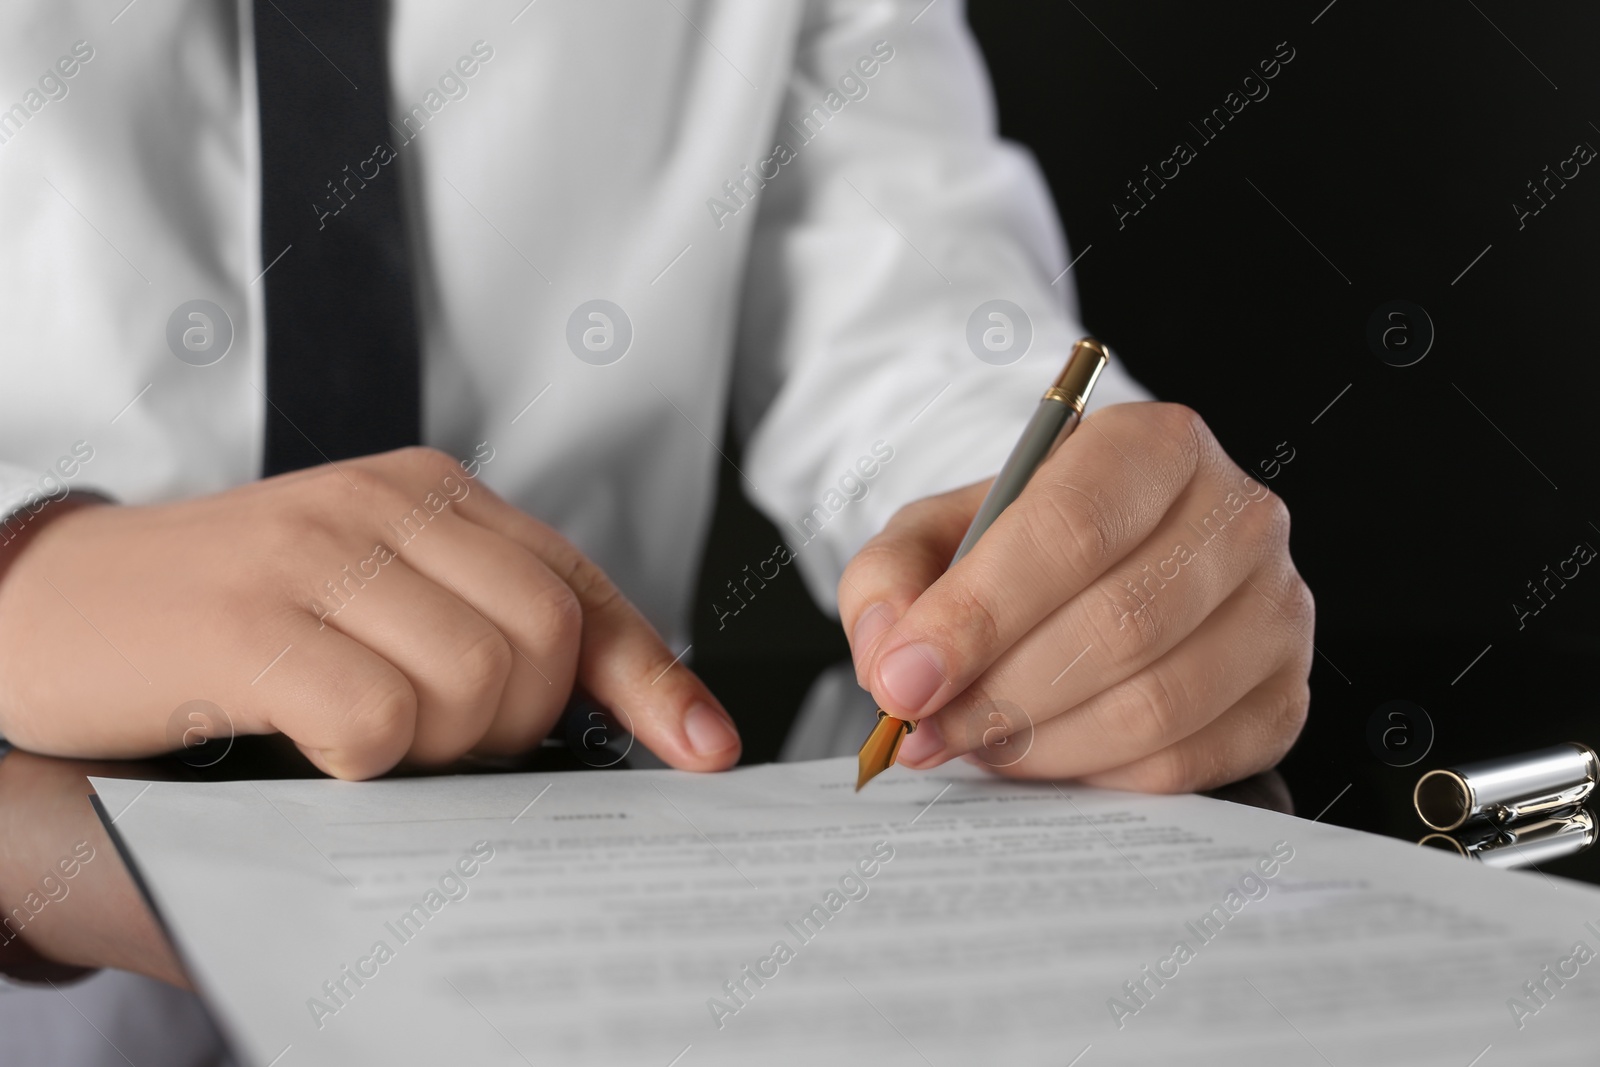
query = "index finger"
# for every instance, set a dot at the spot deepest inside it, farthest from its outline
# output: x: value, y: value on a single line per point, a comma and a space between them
x: 622, y: 661
x: 1099, y: 496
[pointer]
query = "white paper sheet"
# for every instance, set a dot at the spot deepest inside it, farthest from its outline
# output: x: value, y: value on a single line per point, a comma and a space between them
x: 605, y: 911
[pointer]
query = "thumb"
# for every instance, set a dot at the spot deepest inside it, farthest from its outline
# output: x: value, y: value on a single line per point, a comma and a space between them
x: 898, y: 565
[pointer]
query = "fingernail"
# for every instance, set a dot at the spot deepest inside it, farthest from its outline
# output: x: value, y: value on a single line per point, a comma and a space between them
x: 923, y: 743
x: 911, y: 675
x: 708, y: 730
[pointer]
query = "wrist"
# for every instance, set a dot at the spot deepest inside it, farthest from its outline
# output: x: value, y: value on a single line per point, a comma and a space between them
x: 19, y: 530
x: 22, y: 526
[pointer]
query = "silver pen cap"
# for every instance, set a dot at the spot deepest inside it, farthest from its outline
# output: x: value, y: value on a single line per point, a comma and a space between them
x: 1507, y: 788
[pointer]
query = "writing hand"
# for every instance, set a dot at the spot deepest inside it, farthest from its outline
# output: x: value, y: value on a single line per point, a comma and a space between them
x: 1134, y: 619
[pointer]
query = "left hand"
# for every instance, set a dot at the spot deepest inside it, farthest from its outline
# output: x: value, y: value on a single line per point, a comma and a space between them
x: 1133, y: 620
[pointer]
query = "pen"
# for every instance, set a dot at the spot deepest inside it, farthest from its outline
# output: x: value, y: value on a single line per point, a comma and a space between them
x: 1059, y: 412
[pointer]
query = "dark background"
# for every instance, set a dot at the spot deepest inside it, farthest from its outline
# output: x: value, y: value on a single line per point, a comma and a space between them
x: 1391, y: 147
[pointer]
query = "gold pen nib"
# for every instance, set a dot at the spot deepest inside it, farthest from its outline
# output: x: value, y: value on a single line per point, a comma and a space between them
x: 881, y: 747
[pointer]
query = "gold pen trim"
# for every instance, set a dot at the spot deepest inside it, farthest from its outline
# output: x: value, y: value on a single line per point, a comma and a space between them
x: 1077, y: 378
x: 881, y: 747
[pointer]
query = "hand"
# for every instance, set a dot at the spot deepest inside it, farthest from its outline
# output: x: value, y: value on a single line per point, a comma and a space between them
x: 69, y: 901
x: 1132, y: 620
x: 382, y: 609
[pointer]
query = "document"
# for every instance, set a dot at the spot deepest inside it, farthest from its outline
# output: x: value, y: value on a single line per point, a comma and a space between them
x: 771, y: 915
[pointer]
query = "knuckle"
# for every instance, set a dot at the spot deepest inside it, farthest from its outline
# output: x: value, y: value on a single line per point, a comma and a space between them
x: 285, y: 537
x: 1181, y: 425
x: 1138, y: 630
x: 908, y: 523
x: 1276, y: 514
x: 1293, y: 709
x: 1301, y: 606
x: 427, y: 460
x: 484, y: 665
x: 1294, y: 705
x: 657, y: 666
x: 325, y: 496
x: 384, y: 714
x: 1293, y: 606
x: 1277, y: 724
x: 875, y: 558
x: 1146, y: 712
x: 1174, y: 441
x: 556, y: 616
x: 338, y: 499
x: 590, y: 586
x: 391, y: 504
x: 329, y: 480
x: 919, y: 512
x: 934, y: 518
x: 847, y: 596
x: 563, y: 608
x: 968, y: 622
x: 1072, y: 526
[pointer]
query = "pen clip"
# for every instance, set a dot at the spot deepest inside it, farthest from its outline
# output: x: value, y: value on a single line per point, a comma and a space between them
x: 1521, y: 808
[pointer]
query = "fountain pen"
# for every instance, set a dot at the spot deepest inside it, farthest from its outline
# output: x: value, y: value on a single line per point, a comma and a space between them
x: 1059, y: 412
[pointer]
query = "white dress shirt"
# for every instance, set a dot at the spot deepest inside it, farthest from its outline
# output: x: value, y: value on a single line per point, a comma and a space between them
x: 585, y: 158
x: 797, y: 204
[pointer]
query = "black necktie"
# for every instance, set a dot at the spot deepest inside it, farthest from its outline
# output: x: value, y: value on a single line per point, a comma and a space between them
x: 343, y: 371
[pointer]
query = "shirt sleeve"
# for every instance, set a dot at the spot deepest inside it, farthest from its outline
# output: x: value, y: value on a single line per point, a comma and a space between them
x: 22, y: 496
x: 26, y: 495
x: 892, y: 223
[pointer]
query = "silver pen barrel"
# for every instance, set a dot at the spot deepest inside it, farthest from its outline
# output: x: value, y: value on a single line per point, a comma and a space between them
x: 1059, y: 412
